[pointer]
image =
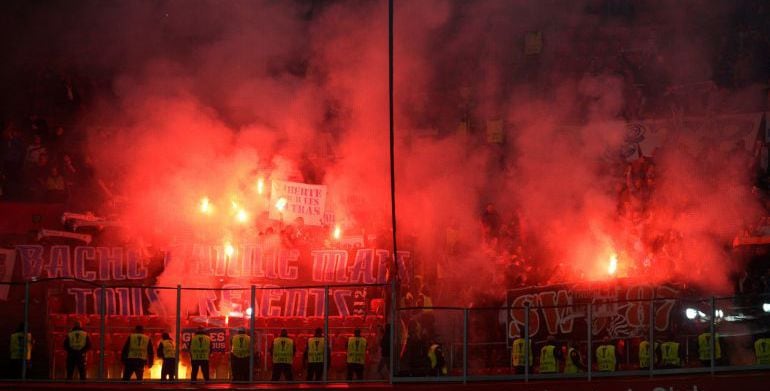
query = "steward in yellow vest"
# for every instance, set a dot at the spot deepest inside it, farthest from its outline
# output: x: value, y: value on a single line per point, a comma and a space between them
x: 704, y: 349
x: 356, y: 355
x: 167, y: 352
x: 517, y: 354
x: 645, y: 354
x: 549, y: 356
x: 18, y: 351
x: 240, y: 353
x: 283, y: 356
x: 137, y: 352
x: 573, y: 363
x: 314, y: 355
x: 606, y: 356
x: 76, y: 345
x: 436, y: 358
x: 200, y: 350
x: 762, y: 351
x: 670, y: 357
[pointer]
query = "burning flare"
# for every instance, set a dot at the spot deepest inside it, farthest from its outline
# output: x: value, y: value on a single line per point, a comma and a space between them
x: 612, y: 267
x: 337, y: 232
x: 260, y: 185
x: 241, y: 216
x: 281, y: 204
x: 205, y: 206
x: 229, y: 250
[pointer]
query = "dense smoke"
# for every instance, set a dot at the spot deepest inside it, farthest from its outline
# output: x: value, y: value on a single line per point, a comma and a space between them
x: 205, y: 98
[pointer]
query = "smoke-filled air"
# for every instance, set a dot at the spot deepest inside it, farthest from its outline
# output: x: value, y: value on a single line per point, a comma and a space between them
x: 515, y: 157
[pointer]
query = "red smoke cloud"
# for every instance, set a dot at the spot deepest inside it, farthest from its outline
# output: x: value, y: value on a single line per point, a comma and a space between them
x: 214, y: 97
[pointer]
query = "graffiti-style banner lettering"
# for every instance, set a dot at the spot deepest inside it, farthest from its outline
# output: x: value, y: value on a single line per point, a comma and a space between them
x: 617, y: 311
x: 129, y: 278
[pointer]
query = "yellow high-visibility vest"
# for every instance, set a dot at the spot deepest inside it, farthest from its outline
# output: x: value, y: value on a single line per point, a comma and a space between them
x: 169, y: 349
x: 762, y: 351
x: 433, y: 357
x: 17, y: 341
x: 704, y: 347
x: 517, y: 352
x: 645, y: 354
x: 283, y: 350
x: 240, y: 345
x: 316, y: 347
x: 200, y: 347
x: 569, y: 365
x: 77, y: 339
x: 356, y: 350
x: 605, y: 357
x: 669, y: 354
x: 547, y: 359
x: 137, y: 346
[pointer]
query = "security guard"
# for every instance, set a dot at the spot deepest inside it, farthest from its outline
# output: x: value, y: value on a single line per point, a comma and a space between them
x: 137, y: 352
x: 670, y: 357
x: 704, y: 349
x: 762, y: 350
x: 283, y: 356
x: 167, y: 352
x: 645, y: 354
x: 200, y: 350
x: 573, y: 362
x: 314, y: 355
x: 240, y: 351
x: 76, y: 345
x: 18, y: 351
x: 356, y: 355
x: 549, y: 355
x: 517, y: 354
x: 606, y: 358
x: 436, y: 358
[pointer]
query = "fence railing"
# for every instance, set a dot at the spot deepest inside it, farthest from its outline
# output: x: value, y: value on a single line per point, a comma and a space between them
x: 644, y: 337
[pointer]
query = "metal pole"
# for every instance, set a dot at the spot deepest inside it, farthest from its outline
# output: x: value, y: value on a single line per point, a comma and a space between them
x: 25, y: 337
x: 713, y: 336
x: 465, y: 345
x: 394, y: 322
x: 589, y: 352
x: 178, y: 330
x: 252, y: 332
x: 652, y: 333
x: 391, y: 129
x: 102, y: 329
x: 326, y: 332
x: 526, y: 342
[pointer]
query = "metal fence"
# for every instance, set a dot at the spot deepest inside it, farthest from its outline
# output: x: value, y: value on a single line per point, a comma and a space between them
x: 109, y: 315
x: 475, y: 343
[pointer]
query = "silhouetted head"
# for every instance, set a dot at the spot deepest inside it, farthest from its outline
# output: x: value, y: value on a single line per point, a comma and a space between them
x: 284, y: 333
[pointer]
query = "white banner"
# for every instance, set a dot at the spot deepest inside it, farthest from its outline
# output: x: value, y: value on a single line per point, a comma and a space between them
x: 290, y: 200
x: 7, y: 260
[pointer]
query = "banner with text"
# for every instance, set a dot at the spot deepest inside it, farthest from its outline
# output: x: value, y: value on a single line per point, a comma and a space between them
x: 291, y: 200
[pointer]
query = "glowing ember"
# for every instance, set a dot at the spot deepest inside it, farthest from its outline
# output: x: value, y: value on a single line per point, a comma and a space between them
x: 613, y: 265
x: 155, y: 371
x: 205, y: 206
x: 260, y: 185
x: 241, y: 216
x: 229, y: 249
x: 337, y: 232
x: 281, y: 204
